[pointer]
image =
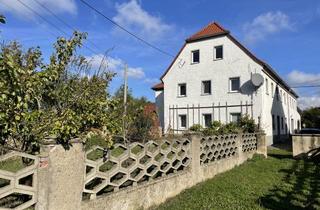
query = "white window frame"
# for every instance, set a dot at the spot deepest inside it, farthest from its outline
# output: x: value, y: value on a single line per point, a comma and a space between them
x: 179, y: 85
x: 202, y: 87
x: 180, y: 121
x: 230, y: 85
x: 234, y: 113
x: 192, y: 62
x: 203, y: 119
x: 215, y: 52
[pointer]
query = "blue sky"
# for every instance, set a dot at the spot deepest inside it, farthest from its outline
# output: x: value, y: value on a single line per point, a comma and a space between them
x: 283, y: 33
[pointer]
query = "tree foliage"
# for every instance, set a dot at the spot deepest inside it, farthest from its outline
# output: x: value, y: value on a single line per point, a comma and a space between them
x: 138, y: 124
x: 311, y: 118
x: 62, y: 99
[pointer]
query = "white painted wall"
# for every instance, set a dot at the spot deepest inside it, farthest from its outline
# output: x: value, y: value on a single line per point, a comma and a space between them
x: 235, y: 63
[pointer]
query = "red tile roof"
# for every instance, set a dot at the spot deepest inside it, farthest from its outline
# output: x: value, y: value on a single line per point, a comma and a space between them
x: 212, y: 29
x: 158, y: 86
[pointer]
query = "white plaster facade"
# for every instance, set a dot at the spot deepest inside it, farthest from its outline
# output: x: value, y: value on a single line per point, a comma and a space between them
x: 236, y: 62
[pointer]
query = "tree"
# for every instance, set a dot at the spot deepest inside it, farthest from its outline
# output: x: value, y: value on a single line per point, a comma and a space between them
x: 56, y: 100
x: 311, y: 117
x: 138, y: 124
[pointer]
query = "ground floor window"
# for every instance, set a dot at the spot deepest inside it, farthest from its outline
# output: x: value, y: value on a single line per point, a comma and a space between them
x: 273, y: 123
x: 183, y: 121
x: 207, y: 118
x: 235, y: 117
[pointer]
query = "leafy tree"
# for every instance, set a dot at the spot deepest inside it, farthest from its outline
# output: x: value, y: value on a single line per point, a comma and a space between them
x: 311, y: 117
x: 138, y: 124
x: 56, y: 100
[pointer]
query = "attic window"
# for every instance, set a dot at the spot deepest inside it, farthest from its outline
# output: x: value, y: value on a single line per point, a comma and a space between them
x: 182, y: 90
x: 195, y: 56
x: 218, y: 52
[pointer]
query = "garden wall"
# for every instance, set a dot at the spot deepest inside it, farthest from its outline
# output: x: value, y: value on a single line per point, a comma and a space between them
x: 304, y: 143
x: 136, y: 176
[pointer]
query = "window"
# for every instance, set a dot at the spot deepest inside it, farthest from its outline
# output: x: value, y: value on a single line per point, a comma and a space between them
x: 286, y: 125
x: 272, y: 89
x: 235, y: 117
x: 267, y: 87
x: 282, y: 123
x: 183, y: 121
x: 273, y: 123
x: 206, y: 87
x: 280, y: 95
x: 218, y: 52
x: 207, y: 118
x: 277, y: 93
x: 182, y: 89
x: 285, y: 98
x: 235, y: 84
x: 195, y: 56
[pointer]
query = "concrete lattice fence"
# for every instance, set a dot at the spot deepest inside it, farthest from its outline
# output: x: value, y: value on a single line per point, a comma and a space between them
x: 133, y: 165
x: 18, y: 180
x: 137, y: 176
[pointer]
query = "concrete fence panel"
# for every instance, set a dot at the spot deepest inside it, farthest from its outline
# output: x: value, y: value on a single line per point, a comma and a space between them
x: 136, y: 176
x: 302, y: 144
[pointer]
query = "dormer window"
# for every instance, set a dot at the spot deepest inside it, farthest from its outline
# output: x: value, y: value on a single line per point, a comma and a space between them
x: 218, y: 52
x: 195, y: 56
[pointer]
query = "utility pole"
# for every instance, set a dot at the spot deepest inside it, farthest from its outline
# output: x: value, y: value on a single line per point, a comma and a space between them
x: 125, y: 103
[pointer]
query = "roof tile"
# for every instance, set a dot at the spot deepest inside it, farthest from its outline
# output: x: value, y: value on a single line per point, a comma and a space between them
x: 212, y: 29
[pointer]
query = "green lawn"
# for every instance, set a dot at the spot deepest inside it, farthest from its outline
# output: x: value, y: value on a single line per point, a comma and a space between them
x: 279, y: 183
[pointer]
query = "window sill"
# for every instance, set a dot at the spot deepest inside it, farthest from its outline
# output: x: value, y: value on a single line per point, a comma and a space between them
x: 234, y: 92
x: 205, y: 94
x: 181, y: 96
x: 217, y: 59
x: 194, y: 63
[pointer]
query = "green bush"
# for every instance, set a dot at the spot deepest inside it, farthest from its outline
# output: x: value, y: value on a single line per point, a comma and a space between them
x: 247, y: 124
x: 196, y: 128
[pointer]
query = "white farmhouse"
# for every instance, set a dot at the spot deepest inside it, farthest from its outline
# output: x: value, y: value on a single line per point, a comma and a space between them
x: 214, y: 77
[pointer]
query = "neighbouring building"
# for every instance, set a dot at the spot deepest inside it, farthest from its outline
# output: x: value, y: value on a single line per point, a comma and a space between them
x: 214, y: 77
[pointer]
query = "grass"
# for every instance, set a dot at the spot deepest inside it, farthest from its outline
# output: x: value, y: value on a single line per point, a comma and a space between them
x: 278, y: 182
x: 13, y: 164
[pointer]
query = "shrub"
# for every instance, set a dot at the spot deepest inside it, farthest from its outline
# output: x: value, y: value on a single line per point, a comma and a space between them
x: 196, y: 128
x: 247, y: 124
x: 230, y: 128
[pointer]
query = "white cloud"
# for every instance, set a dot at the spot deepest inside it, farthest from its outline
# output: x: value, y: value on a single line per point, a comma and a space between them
x: 131, y: 15
x: 116, y: 65
x: 301, y: 78
x: 308, y: 102
x: 266, y: 24
x: 136, y: 73
x: 152, y: 80
x: 57, y: 6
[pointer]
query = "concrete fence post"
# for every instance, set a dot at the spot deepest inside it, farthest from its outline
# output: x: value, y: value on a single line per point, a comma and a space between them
x: 239, y: 155
x: 195, y: 158
x: 262, y: 144
x: 61, y: 177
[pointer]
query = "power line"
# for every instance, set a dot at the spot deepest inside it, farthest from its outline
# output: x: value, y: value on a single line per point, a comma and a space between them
x: 126, y: 30
x: 52, y: 24
x: 306, y: 86
x: 63, y: 22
